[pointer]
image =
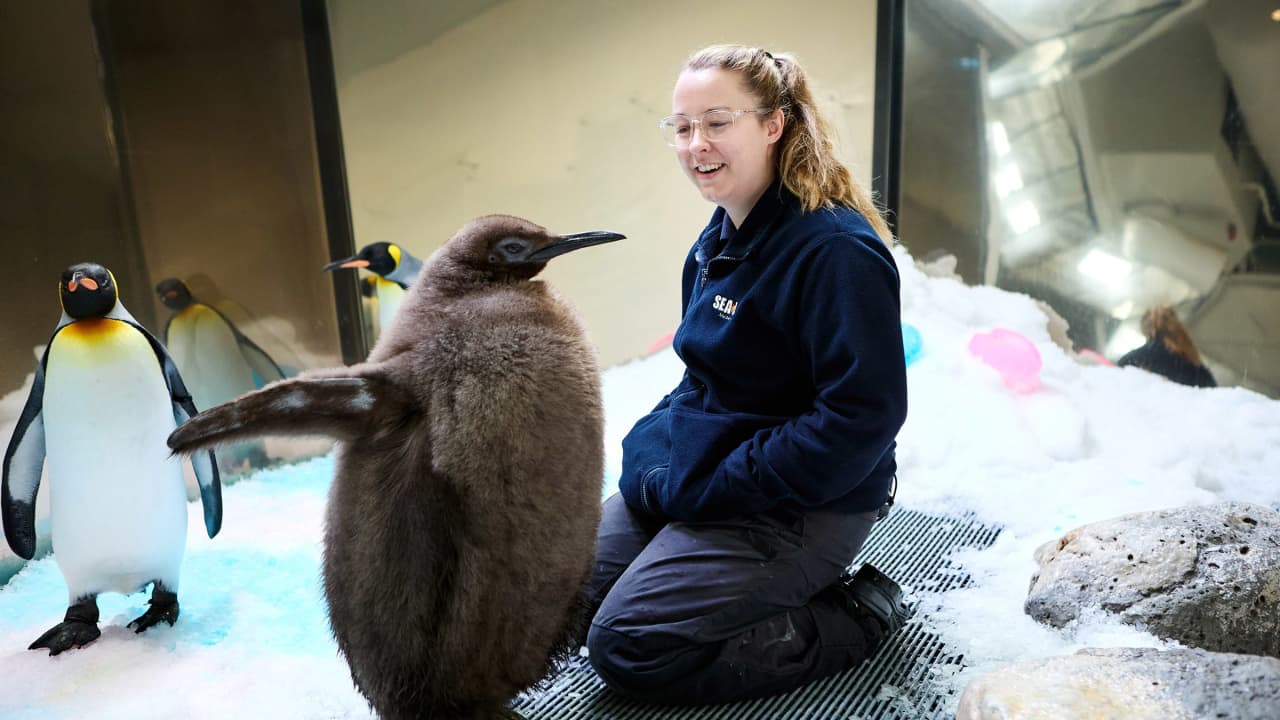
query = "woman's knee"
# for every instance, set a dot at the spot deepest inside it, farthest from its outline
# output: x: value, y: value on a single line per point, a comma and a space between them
x: 636, y: 666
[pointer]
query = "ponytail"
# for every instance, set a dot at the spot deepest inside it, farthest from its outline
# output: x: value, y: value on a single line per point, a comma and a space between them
x: 1161, y: 323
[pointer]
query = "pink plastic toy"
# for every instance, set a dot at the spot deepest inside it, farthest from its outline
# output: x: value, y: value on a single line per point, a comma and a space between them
x: 1012, y: 355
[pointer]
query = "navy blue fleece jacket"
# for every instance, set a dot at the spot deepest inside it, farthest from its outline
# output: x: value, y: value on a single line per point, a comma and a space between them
x: 795, y: 384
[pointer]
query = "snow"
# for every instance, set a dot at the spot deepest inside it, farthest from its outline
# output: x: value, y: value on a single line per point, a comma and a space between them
x: 1091, y: 443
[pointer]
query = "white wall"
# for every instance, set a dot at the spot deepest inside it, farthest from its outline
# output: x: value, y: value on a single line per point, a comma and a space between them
x: 548, y: 110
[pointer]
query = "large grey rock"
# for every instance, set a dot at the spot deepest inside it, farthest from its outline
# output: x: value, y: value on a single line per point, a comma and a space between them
x: 1208, y: 577
x: 1128, y: 684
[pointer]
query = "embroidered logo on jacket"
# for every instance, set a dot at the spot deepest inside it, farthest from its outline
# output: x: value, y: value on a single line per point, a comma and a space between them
x: 726, y: 307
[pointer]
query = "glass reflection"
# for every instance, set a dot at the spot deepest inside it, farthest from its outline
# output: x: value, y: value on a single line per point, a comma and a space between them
x: 392, y: 270
x: 174, y: 145
x: 1128, y: 157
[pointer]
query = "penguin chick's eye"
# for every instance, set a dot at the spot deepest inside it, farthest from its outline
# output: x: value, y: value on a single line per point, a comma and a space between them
x: 511, y: 250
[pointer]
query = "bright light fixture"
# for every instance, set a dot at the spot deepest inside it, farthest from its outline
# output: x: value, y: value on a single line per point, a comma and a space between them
x: 1023, y: 216
x: 1008, y: 179
x: 1275, y: 14
x: 1105, y: 267
x: 1123, y: 310
x: 999, y: 139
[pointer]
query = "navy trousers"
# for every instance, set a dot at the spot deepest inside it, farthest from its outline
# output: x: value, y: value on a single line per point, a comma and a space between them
x: 692, y: 613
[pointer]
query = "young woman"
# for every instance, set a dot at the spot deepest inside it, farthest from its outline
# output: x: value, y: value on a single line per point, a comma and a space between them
x: 748, y: 490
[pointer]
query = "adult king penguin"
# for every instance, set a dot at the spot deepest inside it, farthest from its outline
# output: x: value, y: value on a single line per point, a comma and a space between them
x: 218, y: 362
x: 395, y: 269
x: 462, y: 518
x: 117, y: 502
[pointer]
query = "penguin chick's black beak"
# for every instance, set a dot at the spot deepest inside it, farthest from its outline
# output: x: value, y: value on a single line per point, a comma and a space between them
x: 576, y: 241
x: 351, y: 262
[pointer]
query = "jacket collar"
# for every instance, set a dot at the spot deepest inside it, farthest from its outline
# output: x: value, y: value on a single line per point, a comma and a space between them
x: 753, y: 231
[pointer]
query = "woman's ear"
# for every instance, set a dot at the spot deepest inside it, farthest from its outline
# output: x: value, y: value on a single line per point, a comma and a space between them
x: 774, y: 123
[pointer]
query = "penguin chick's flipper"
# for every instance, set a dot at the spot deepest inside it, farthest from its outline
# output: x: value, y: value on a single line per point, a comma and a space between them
x: 77, y: 629
x: 337, y: 407
x: 23, y: 463
x: 164, y: 606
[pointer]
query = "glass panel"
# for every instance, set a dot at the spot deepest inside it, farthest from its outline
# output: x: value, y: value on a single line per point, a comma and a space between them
x: 166, y: 141
x: 1127, y: 159
x: 550, y: 111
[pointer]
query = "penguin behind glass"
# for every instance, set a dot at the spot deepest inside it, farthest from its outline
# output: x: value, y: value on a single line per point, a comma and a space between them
x: 218, y: 362
x: 462, y: 517
x: 395, y: 270
x: 117, y: 504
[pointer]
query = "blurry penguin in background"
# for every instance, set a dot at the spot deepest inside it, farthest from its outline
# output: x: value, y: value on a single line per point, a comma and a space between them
x: 395, y: 269
x: 369, y: 307
x: 461, y: 523
x: 217, y: 360
x: 105, y: 397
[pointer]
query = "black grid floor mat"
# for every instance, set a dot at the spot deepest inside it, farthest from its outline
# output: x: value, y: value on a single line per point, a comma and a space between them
x: 913, y: 549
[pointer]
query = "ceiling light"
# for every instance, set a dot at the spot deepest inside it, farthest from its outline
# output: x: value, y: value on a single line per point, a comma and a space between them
x: 1105, y: 267
x: 999, y: 138
x: 1123, y: 310
x: 1275, y: 14
x: 1022, y: 217
x: 1008, y: 178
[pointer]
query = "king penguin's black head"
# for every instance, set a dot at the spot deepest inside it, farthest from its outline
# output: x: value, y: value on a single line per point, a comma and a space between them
x: 87, y: 290
x: 173, y: 293
x: 511, y: 247
x: 380, y: 257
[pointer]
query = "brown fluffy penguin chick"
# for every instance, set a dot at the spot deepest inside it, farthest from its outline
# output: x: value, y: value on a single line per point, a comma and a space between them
x: 461, y: 522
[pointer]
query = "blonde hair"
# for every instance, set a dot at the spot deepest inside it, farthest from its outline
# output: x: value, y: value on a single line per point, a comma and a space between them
x: 807, y: 162
x: 1161, y: 323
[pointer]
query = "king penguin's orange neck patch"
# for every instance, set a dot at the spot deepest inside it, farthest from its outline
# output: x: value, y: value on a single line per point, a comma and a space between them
x: 91, y: 327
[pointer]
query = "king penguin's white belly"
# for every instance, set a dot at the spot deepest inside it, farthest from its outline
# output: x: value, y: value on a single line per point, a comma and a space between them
x: 389, y: 296
x: 208, y: 357
x: 117, y: 502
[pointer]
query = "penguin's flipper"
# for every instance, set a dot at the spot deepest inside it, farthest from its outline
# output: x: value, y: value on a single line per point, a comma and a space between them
x: 337, y: 407
x: 257, y: 358
x: 259, y: 361
x: 23, y: 463
x: 184, y: 408
x: 206, y: 470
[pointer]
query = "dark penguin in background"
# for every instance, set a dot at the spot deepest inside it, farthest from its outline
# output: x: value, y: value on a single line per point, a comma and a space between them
x: 105, y: 397
x: 394, y: 268
x: 462, y: 518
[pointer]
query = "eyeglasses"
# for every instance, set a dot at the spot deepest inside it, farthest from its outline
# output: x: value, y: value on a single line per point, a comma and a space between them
x: 677, y: 130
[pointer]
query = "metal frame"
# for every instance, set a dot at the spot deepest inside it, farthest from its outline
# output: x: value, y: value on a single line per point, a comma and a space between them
x: 332, y: 168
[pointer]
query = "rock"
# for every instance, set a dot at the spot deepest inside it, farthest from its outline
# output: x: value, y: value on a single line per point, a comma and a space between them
x: 1208, y: 577
x: 1128, y: 684
x: 1057, y: 327
x: 939, y: 264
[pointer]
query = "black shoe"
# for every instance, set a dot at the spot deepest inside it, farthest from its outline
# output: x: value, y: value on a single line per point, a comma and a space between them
x: 879, y: 596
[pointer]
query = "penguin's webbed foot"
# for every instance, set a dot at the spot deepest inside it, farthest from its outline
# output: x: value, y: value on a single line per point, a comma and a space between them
x: 164, y: 606
x: 78, y: 628
x: 66, y: 635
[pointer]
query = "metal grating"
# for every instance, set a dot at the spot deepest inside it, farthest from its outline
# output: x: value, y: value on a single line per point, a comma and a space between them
x: 911, y: 547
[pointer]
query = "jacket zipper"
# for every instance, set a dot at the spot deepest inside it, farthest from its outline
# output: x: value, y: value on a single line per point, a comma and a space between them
x: 644, y: 489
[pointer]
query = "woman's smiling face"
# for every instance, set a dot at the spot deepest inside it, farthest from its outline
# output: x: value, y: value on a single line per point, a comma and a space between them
x: 733, y: 169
